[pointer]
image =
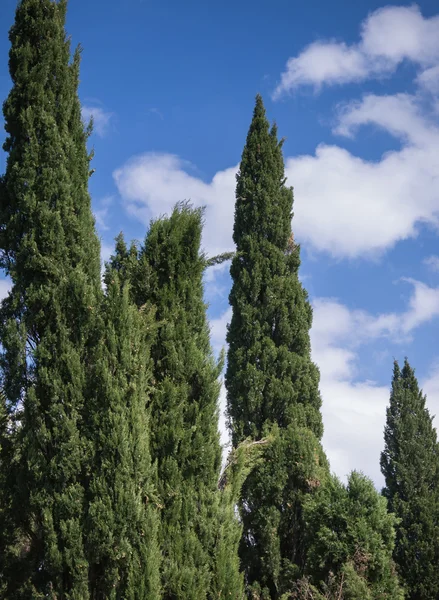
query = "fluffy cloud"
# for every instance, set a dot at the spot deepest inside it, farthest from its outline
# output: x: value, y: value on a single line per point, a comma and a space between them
x: 353, y: 410
x: 344, y: 205
x: 323, y: 62
x: 429, y: 79
x: 101, y: 119
x: 388, y: 36
x: 151, y: 184
x: 349, y: 206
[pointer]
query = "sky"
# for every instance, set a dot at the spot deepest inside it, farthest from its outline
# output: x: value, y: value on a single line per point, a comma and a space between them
x: 354, y: 89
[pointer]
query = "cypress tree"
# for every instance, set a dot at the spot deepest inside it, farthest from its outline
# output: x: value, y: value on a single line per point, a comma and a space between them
x: 184, y: 404
x: 410, y: 465
x: 50, y: 250
x: 122, y: 520
x: 272, y: 384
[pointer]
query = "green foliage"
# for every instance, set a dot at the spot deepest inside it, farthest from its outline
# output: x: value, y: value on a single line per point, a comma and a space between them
x: 49, y: 249
x: 219, y: 259
x: 350, y: 541
x: 7, y: 465
x: 122, y: 520
x: 110, y: 483
x: 184, y: 411
x: 410, y: 465
x: 270, y: 377
x: 227, y: 578
x: 124, y: 262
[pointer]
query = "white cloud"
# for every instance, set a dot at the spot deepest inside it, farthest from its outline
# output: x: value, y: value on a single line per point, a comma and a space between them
x: 218, y: 330
x: 106, y: 251
x: 101, y: 119
x: 429, y: 79
x: 400, y: 115
x: 432, y: 262
x: 5, y: 286
x: 335, y: 321
x: 354, y: 409
x: 322, y: 62
x: 351, y: 207
x: 344, y: 205
x: 151, y: 184
x: 423, y: 306
x: 430, y: 387
x: 388, y: 36
x: 354, y: 416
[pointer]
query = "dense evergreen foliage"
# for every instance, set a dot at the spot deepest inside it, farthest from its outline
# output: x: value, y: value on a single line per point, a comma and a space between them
x: 122, y: 516
x: 110, y: 462
x: 50, y: 251
x: 77, y: 476
x: 350, y: 542
x: 184, y: 406
x: 410, y: 465
x: 270, y: 378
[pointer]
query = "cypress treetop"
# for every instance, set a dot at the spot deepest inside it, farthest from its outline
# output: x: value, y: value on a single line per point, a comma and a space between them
x: 410, y: 465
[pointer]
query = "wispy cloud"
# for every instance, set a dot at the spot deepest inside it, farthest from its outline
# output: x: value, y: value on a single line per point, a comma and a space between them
x: 101, y: 118
x: 156, y: 111
x: 101, y: 213
x: 432, y: 262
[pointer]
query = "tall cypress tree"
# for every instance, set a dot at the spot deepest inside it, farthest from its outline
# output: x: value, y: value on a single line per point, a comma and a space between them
x: 184, y: 405
x: 50, y: 251
x: 272, y: 384
x: 410, y: 465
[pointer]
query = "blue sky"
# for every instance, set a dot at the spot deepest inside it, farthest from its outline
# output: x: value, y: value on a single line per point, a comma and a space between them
x: 354, y: 88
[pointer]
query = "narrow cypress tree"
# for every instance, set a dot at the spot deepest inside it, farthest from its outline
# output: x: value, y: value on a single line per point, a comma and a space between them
x: 184, y: 406
x: 410, y: 465
x: 50, y: 251
x: 122, y: 518
x: 271, y: 381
